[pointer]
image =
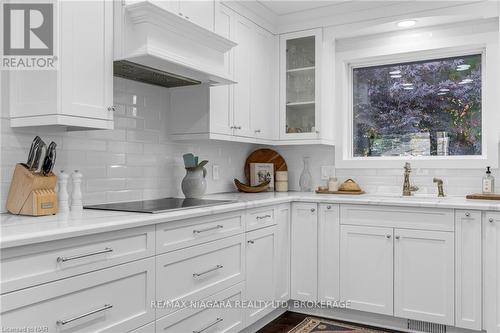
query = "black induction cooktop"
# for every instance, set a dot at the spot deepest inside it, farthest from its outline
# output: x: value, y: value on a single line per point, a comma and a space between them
x: 158, y: 205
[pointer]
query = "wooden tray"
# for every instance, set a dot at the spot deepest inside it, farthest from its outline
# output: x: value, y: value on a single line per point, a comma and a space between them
x: 341, y: 192
x: 265, y: 156
x: 481, y: 196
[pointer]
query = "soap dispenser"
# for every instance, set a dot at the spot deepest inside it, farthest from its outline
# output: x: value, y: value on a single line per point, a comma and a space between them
x: 488, y: 182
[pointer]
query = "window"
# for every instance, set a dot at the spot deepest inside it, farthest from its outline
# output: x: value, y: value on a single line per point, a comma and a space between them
x: 423, y: 108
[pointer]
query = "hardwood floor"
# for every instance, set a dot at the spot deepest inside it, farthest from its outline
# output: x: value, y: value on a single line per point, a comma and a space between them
x: 289, y: 320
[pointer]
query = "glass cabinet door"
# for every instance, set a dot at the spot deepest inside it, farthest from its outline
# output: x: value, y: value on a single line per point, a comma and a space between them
x: 300, y: 100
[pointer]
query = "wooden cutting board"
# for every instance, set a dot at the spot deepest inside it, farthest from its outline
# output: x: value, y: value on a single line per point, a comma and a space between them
x: 481, y: 196
x: 265, y: 156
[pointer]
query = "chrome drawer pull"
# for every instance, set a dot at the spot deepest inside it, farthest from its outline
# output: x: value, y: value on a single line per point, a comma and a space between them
x: 215, y: 322
x: 64, y: 259
x: 67, y: 321
x: 263, y: 217
x: 208, y: 229
x: 207, y: 271
x: 491, y: 220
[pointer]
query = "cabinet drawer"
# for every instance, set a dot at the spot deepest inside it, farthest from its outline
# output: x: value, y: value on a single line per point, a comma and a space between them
x: 40, y: 263
x: 398, y: 217
x: 194, y: 273
x: 207, y: 319
x: 260, y: 218
x: 116, y: 299
x: 176, y: 235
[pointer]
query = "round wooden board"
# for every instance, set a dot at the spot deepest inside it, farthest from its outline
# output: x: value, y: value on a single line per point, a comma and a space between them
x: 265, y: 156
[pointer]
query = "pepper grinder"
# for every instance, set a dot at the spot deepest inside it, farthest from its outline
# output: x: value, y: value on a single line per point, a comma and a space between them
x: 62, y: 194
x: 76, y: 194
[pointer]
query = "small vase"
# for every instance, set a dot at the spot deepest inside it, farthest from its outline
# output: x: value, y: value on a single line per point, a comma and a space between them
x: 305, y: 181
x: 194, y: 184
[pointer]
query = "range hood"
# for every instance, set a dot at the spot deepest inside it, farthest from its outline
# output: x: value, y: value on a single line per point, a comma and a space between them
x: 155, y: 46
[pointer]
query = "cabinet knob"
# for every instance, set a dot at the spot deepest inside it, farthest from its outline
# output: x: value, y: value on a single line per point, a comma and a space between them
x: 250, y: 242
x: 329, y: 207
x: 313, y: 210
x: 238, y: 127
x: 398, y: 237
x: 257, y: 131
x: 467, y: 214
x: 490, y: 220
x: 388, y: 236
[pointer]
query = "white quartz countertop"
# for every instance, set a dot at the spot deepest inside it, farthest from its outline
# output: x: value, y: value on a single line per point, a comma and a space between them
x: 22, y: 230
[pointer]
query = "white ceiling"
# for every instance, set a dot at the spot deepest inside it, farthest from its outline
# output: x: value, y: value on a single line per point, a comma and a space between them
x: 285, y: 7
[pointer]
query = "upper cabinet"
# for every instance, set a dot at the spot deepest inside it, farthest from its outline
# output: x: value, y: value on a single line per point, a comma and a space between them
x: 80, y: 93
x: 241, y: 112
x: 198, y: 12
x: 300, y: 61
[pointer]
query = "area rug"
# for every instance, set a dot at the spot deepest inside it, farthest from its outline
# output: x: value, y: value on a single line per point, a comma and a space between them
x: 311, y: 324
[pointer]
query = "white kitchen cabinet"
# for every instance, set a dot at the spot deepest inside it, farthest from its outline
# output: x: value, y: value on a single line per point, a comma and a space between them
x: 283, y: 253
x: 304, y: 264
x: 116, y: 299
x: 366, y: 268
x: 300, y: 84
x: 200, y: 12
x: 328, y: 252
x: 261, y: 250
x: 424, y: 275
x: 80, y: 93
x: 468, y: 269
x: 240, y: 112
x: 491, y: 264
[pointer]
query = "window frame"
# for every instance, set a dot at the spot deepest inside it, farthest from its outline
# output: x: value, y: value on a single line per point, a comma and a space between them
x: 345, y: 153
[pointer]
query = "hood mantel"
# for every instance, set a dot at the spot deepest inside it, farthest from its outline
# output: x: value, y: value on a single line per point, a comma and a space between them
x: 152, y: 37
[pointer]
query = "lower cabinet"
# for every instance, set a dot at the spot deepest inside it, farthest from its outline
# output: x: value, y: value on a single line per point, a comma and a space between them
x: 116, y: 299
x: 366, y: 268
x: 261, y: 248
x: 491, y: 264
x: 402, y: 272
x: 424, y: 275
x: 206, y: 318
x: 304, y: 267
x: 283, y: 252
x: 328, y: 252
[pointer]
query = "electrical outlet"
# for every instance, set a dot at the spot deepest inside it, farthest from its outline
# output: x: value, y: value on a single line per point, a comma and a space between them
x: 215, y: 172
x: 325, y: 172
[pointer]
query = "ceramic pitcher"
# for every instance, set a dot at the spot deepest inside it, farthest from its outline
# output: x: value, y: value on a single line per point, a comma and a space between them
x: 194, y: 183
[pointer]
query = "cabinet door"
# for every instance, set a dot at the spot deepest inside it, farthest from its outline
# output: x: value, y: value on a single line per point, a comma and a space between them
x: 491, y: 239
x: 424, y: 275
x: 242, y: 74
x: 200, y: 12
x: 366, y: 268
x: 304, y: 268
x: 283, y: 253
x: 261, y: 91
x: 260, y: 267
x: 221, y: 97
x: 87, y: 58
x: 468, y: 269
x: 328, y: 252
x: 300, y: 84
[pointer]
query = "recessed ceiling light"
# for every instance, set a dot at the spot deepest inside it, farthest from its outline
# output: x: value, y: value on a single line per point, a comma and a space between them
x: 406, y: 24
x: 395, y: 72
x: 396, y: 76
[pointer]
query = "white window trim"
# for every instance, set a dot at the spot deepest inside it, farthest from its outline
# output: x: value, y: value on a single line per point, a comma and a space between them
x: 489, y: 112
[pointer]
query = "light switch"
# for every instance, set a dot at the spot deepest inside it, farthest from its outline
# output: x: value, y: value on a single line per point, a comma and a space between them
x: 325, y: 172
x: 215, y: 172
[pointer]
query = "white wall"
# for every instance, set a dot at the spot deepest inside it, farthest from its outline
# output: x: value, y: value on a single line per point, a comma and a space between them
x: 132, y: 162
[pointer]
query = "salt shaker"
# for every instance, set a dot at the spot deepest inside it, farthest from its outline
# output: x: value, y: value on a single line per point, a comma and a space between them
x: 62, y: 194
x: 76, y: 194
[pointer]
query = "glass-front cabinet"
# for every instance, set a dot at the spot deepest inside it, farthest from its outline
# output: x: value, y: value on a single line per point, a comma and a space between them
x: 299, y: 85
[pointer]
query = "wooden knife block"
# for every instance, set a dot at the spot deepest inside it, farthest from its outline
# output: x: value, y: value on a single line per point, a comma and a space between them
x: 31, y: 193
